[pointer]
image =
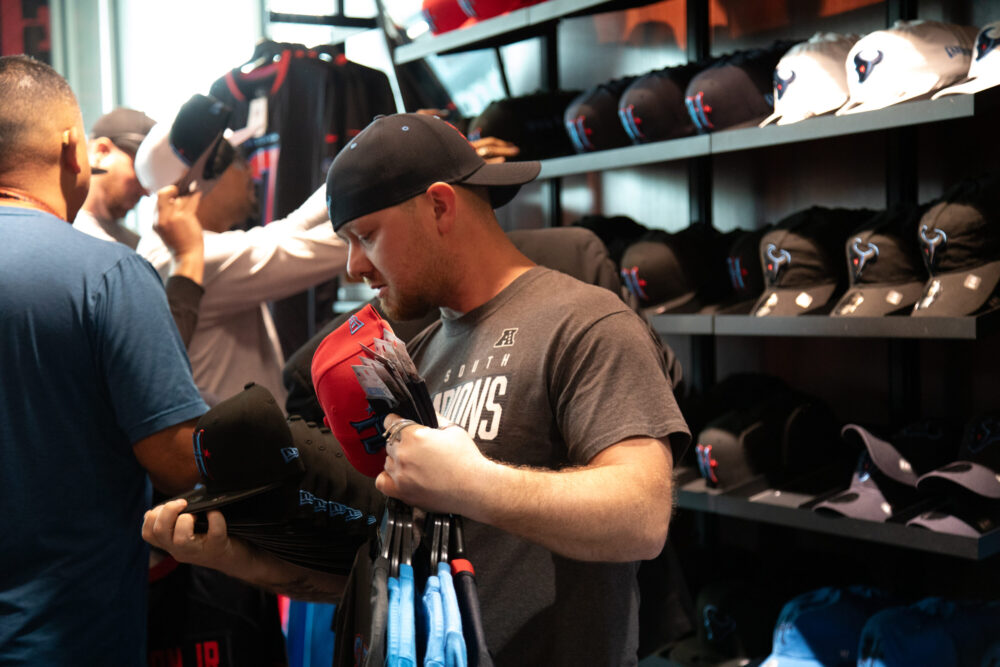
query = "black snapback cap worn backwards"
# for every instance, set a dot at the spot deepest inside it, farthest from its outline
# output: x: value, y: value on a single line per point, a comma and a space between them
x: 398, y: 157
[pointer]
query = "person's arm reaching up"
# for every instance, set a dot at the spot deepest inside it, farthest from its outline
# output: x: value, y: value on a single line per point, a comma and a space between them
x: 178, y: 226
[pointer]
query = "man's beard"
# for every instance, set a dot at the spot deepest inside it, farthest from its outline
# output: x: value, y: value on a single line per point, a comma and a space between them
x: 404, y: 308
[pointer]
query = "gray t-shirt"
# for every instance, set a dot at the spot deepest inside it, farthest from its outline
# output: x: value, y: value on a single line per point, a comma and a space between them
x: 549, y: 373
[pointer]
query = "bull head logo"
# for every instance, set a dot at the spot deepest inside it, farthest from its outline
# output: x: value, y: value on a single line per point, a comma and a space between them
x: 861, y: 256
x: 864, y: 63
x: 782, y: 81
x: 985, y: 43
x: 929, y: 243
x: 776, y: 260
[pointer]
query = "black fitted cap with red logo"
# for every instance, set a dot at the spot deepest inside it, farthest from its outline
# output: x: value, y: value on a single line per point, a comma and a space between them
x: 533, y: 123
x: 976, y: 470
x: 591, y: 119
x: 802, y: 258
x: 243, y: 448
x: 736, y: 91
x: 960, y: 241
x: 781, y: 436
x: 676, y: 272
x: 883, y: 265
x: 398, y: 157
x: 652, y: 108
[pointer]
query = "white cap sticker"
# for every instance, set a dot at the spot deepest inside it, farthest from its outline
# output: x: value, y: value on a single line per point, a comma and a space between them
x: 894, y: 297
x: 972, y: 281
x: 803, y: 300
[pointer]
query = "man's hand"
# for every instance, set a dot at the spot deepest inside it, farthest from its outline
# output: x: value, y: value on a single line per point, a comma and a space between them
x: 429, y: 468
x: 167, y: 528
x: 494, y: 150
x: 178, y: 225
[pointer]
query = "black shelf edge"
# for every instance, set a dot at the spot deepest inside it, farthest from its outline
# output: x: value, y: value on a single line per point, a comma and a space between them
x: 793, y: 517
x: 505, y: 29
x: 629, y: 156
x: 952, y: 107
x: 961, y: 328
x: 693, y: 324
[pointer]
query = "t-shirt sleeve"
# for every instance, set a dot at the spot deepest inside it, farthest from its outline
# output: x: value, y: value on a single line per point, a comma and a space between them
x: 139, y: 351
x: 610, y: 386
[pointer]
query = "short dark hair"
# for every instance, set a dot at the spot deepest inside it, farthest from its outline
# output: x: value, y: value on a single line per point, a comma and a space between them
x: 31, y: 91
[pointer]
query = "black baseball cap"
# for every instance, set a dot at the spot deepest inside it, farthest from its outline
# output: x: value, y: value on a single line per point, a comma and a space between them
x: 912, y: 451
x: 960, y: 242
x: 182, y: 152
x: 872, y: 495
x: 678, y: 272
x: 976, y: 470
x: 591, y: 119
x: 743, y: 267
x: 126, y: 128
x: 652, y: 108
x: 736, y: 90
x: 398, y: 157
x: 802, y: 260
x: 883, y: 265
x: 243, y: 448
x: 533, y: 123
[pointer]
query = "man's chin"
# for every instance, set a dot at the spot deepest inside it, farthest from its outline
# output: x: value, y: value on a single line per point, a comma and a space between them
x: 402, y: 312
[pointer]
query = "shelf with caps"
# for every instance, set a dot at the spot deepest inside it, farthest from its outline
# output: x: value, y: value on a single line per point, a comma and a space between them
x: 970, y: 327
x: 755, y: 501
x: 507, y: 28
x: 921, y: 112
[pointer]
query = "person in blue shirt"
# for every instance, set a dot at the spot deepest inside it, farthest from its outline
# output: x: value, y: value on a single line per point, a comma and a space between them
x: 96, y: 393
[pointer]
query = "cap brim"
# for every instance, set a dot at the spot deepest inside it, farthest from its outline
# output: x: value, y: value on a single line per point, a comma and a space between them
x: 974, y: 477
x: 793, y: 301
x: 967, y: 87
x: 876, y: 300
x: 950, y: 294
x: 158, y: 165
x: 884, y: 455
x: 943, y: 523
x: 773, y: 118
x: 860, y: 501
x: 504, y: 179
x: 201, y: 500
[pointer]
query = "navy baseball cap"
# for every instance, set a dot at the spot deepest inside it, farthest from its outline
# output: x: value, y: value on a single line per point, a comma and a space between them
x: 802, y: 260
x: 746, y: 274
x: 912, y: 451
x: 872, y: 495
x: 736, y: 90
x: 884, y: 268
x: 934, y: 631
x: 533, y: 123
x: 591, y: 119
x: 977, y: 467
x: 398, y: 157
x: 652, y: 107
x: 960, y: 241
x: 243, y: 448
x: 822, y: 628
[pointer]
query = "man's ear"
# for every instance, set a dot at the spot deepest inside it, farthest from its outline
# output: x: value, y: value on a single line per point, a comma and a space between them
x: 71, y: 153
x: 98, y: 149
x: 444, y: 199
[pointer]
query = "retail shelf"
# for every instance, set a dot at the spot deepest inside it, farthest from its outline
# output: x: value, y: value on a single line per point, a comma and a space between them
x: 683, y: 324
x: 505, y: 29
x: 822, y: 127
x: 962, y: 328
x: 630, y: 156
x: 773, y: 507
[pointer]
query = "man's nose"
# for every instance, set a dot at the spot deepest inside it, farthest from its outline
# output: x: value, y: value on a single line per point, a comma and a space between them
x: 357, y: 262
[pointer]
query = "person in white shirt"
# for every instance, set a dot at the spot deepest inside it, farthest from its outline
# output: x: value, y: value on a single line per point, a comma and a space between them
x: 235, y: 341
x: 114, y: 189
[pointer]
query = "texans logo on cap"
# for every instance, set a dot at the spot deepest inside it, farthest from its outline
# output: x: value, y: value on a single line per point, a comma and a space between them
x: 699, y: 111
x: 864, y: 63
x: 579, y: 133
x: 861, y: 256
x: 782, y: 81
x: 986, y: 433
x: 929, y: 243
x: 634, y: 283
x: 777, y: 259
x: 737, y: 272
x: 707, y: 463
x: 631, y: 123
x: 985, y: 43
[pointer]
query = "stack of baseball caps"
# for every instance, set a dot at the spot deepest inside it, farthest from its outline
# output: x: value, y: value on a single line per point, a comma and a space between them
x: 652, y: 107
x: 285, y: 486
x: 960, y: 241
x: 984, y: 71
x: 801, y: 256
x: 736, y: 91
x: 533, y: 123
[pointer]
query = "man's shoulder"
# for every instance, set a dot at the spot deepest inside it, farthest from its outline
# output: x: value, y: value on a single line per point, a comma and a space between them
x: 554, y: 287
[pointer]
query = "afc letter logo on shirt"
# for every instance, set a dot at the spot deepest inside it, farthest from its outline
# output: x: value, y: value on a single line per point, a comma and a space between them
x: 506, y: 338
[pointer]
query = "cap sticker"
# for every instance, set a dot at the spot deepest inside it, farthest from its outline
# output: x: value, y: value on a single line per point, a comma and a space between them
x: 771, y: 302
x: 905, y: 466
x: 894, y: 297
x: 972, y: 281
x: 803, y: 300
x: 886, y: 509
x: 931, y: 293
x: 856, y: 299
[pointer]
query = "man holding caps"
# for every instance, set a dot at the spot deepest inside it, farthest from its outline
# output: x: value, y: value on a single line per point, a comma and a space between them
x: 564, y: 475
